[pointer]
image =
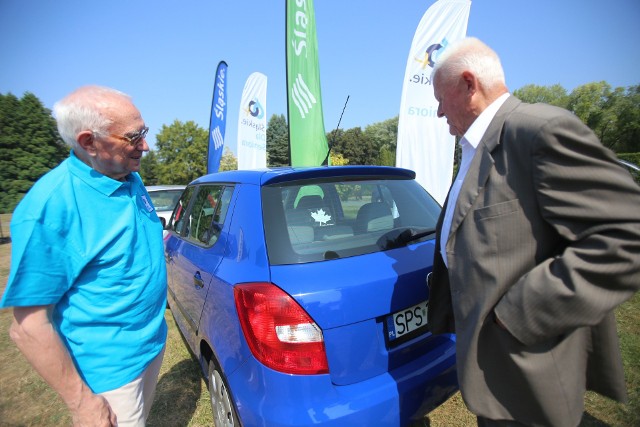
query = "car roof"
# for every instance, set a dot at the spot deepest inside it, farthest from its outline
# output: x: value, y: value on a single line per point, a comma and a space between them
x: 263, y: 177
x: 164, y: 187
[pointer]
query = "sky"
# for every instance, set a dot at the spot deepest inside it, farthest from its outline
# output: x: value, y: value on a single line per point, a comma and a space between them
x: 165, y: 53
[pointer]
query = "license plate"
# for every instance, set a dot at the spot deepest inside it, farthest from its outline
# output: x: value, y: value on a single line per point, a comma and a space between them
x: 406, y: 321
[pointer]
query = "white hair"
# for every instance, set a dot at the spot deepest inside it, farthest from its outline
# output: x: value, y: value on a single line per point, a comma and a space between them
x: 83, y: 110
x: 470, y: 54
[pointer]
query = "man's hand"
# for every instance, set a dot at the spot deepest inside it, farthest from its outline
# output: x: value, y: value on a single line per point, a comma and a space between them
x: 93, y: 411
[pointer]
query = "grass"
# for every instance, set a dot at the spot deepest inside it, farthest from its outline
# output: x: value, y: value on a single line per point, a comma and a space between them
x: 182, y: 398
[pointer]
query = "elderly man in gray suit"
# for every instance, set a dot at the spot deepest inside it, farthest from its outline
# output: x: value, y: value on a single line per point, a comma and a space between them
x: 538, y: 242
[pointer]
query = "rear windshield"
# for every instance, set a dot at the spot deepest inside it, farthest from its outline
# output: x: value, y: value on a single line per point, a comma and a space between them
x: 321, y: 220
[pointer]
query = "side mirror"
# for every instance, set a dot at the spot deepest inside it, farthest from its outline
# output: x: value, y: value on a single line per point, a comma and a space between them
x: 163, y: 222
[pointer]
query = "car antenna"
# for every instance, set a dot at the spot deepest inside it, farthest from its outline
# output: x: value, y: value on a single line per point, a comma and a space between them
x: 325, y: 162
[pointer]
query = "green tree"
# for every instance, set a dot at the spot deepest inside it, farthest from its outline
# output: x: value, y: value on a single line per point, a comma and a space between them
x: 182, y: 152
x: 591, y: 103
x: 386, y: 157
x: 228, y: 162
x: 554, y: 95
x: 29, y: 146
x: 278, y: 153
x: 384, y: 137
x: 338, y: 160
x: 354, y: 145
x: 587, y: 102
x: 149, y: 168
x: 626, y: 109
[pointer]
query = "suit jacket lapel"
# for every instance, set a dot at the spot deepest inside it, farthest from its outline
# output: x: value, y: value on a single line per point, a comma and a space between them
x: 481, y: 165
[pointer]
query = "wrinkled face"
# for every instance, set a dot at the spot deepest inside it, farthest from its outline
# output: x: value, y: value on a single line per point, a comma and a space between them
x: 453, y: 103
x: 114, y: 156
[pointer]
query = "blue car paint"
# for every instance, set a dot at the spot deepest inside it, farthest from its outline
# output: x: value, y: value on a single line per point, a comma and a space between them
x: 374, y: 402
x: 307, y: 282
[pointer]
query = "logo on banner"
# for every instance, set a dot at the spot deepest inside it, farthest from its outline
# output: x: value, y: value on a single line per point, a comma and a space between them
x: 429, y: 59
x: 255, y: 109
x: 302, y: 96
x: 219, y: 106
x: 216, y: 137
x: 431, y: 54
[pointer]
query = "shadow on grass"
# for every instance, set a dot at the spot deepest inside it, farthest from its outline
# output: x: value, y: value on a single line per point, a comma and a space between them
x: 589, y: 420
x: 177, y: 395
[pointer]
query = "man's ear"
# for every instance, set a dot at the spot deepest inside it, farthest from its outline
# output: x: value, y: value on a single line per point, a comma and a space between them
x: 86, y: 140
x: 471, y: 82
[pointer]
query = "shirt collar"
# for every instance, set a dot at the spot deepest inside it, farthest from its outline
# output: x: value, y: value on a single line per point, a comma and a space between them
x: 93, y: 178
x: 477, y: 129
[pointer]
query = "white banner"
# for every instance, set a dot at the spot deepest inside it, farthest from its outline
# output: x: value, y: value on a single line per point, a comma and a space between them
x: 252, y: 124
x: 424, y: 143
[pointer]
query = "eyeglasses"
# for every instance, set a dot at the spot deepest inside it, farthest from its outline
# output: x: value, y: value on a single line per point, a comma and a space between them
x: 133, y: 138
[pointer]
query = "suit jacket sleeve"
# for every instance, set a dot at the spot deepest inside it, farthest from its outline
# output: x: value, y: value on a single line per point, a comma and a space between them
x: 594, y: 206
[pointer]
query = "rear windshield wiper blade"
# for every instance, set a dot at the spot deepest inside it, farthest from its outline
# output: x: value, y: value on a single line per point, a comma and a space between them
x: 409, y: 235
x: 403, y: 238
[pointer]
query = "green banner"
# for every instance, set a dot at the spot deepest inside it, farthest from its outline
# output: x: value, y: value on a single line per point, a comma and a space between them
x: 307, y: 138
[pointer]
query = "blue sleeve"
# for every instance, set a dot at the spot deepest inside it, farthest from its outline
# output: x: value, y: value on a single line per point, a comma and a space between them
x: 44, y: 264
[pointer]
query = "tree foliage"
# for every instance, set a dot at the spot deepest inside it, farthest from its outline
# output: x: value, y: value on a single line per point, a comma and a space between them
x: 553, y: 95
x: 30, y: 146
x: 354, y: 145
x: 628, y: 121
x: 338, y: 160
x: 181, y: 150
x: 278, y: 141
x: 228, y: 162
x: 384, y: 136
x: 149, y: 168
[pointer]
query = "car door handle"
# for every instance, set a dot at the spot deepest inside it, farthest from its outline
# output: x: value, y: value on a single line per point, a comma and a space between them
x: 197, y: 280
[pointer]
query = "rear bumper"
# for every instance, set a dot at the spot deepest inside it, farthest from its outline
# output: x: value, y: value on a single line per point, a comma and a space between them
x: 268, y: 398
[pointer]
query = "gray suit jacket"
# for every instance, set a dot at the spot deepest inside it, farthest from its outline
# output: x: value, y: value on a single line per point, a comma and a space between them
x: 545, y: 235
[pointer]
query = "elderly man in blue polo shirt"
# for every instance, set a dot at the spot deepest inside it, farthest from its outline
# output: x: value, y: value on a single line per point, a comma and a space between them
x: 88, y: 279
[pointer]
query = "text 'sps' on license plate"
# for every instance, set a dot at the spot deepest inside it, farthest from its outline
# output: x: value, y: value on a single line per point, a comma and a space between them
x: 406, y: 321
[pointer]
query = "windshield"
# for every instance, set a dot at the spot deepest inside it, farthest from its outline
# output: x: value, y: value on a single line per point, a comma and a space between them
x: 323, y: 220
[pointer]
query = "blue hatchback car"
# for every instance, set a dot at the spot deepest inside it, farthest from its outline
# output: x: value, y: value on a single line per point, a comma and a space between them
x: 302, y: 294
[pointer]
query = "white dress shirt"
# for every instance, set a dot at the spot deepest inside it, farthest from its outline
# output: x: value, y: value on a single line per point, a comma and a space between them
x: 468, y: 143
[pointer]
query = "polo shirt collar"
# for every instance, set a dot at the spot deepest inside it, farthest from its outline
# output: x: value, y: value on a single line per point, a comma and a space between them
x: 93, y: 178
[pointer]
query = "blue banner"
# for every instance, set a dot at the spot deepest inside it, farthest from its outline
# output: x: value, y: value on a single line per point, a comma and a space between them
x: 218, y: 119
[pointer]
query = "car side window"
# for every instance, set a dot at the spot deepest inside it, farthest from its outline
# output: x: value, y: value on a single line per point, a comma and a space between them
x: 223, y: 206
x: 207, y: 214
x: 177, y: 222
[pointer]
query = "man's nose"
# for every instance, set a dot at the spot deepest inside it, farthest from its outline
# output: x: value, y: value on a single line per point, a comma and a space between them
x: 142, y: 145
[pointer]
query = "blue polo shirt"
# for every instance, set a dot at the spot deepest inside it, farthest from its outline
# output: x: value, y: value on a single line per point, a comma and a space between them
x: 92, y: 246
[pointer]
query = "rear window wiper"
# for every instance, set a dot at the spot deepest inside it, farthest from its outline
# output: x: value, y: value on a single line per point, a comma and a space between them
x: 406, y: 236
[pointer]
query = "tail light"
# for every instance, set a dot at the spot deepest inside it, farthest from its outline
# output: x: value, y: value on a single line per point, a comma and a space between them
x: 280, y: 334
